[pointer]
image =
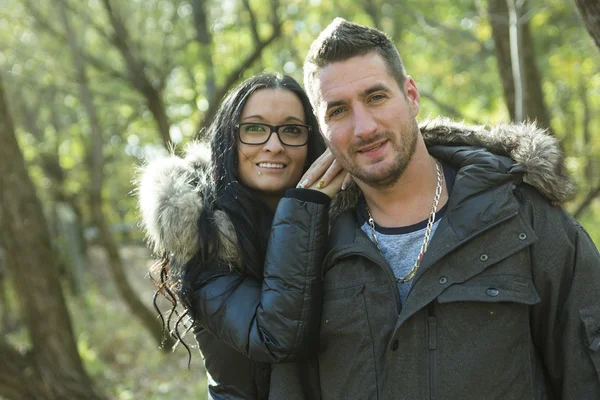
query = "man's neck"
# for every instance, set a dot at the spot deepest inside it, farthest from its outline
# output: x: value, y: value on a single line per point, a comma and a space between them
x: 409, y: 200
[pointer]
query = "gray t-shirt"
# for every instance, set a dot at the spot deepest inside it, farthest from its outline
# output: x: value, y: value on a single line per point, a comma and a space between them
x: 400, y: 251
x: 400, y: 246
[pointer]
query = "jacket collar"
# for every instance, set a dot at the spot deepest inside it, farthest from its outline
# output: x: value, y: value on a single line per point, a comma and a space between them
x: 482, y: 197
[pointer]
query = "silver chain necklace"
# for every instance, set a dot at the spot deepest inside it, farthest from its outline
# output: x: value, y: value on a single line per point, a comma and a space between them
x: 436, y: 198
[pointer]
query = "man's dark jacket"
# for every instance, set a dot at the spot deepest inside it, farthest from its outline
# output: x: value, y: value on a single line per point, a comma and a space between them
x: 505, y: 304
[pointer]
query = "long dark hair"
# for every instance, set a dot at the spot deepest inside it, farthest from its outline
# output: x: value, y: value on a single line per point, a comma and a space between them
x: 250, y: 216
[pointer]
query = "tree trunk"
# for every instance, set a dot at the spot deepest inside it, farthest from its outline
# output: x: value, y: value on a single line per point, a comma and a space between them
x: 52, y: 369
x: 205, y: 39
x: 96, y: 156
x: 6, y: 318
x: 590, y: 12
x: 516, y: 58
x: 533, y: 97
x: 372, y: 8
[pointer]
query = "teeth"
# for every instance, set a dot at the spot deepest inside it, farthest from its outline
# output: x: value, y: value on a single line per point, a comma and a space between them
x: 271, y: 165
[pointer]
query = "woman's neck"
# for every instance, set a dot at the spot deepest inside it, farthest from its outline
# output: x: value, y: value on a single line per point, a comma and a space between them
x: 271, y: 200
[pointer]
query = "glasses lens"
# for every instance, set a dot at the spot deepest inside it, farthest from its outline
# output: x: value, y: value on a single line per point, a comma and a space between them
x: 254, y: 133
x: 293, y: 135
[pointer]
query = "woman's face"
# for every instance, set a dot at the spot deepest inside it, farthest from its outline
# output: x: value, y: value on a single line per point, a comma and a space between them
x: 271, y: 167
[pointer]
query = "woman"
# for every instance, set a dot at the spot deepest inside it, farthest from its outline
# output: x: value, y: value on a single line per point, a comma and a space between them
x: 241, y: 247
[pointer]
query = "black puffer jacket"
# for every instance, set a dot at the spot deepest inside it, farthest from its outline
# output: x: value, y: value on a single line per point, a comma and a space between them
x: 240, y: 322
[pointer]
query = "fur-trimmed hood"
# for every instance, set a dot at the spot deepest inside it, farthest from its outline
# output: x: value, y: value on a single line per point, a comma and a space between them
x: 170, y: 189
x: 170, y: 199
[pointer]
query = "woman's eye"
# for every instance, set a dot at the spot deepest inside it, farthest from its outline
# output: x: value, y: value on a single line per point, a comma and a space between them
x: 291, y: 129
x: 255, y: 128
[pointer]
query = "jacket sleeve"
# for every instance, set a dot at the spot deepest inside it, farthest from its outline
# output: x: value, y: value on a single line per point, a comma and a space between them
x: 276, y: 320
x: 566, y: 324
x: 230, y: 374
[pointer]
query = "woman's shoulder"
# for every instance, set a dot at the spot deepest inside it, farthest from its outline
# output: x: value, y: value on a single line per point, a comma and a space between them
x: 171, y: 191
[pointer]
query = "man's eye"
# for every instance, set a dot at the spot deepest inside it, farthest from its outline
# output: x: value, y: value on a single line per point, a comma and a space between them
x: 336, y: 112
x: 377, y: 97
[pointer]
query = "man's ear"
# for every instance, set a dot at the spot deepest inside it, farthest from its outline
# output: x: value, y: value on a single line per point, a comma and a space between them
x: 412, y: 94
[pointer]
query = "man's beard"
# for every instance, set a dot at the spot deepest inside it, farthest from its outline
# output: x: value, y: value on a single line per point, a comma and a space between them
x: 404, y: 147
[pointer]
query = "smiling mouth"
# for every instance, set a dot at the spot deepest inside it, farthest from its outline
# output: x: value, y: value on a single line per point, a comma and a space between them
x: 271, y: 165
x: 371, y: 148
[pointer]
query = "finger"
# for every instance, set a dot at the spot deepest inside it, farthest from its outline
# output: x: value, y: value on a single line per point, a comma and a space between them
x: 347, y: 181
x: 330, y: 174
x: 317, y: 169
x: 335, y: 184
x: 312, y: 172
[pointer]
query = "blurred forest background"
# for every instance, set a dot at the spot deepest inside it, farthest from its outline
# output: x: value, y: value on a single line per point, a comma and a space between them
x: 89, y: 87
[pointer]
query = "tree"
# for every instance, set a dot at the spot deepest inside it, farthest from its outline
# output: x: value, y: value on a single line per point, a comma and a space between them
x: 590, y: 12
x: 51, y: 368
x: 259, y: 45
x: 534, y: 107
x: 96, y: 201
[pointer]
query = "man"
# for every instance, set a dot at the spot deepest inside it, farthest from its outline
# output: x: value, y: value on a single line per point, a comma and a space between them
x: 448, y: 277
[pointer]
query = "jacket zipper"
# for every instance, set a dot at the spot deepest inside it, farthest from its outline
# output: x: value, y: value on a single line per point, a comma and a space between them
x: 433, y: 344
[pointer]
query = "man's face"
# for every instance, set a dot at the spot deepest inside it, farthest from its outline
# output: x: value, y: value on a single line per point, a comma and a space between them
x: 367, y: 120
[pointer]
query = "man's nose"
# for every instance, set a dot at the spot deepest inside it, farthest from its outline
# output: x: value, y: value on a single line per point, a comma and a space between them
x: 364, y: 123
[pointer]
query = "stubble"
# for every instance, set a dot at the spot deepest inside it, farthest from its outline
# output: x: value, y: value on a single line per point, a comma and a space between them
x: 404, y: 147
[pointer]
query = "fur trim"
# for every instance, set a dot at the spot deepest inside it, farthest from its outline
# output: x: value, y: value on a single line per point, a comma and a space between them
x: 531, y: 147
x: 170, y: 191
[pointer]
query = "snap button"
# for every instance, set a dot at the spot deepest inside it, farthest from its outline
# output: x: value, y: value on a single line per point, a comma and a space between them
x: 493, y: 292
x: 443, y: 280
x: 484, y: 257
x: 522, y: 236
x: 395, y: 345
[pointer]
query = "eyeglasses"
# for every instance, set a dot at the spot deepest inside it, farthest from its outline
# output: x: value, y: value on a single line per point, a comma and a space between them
x: 294, y: 135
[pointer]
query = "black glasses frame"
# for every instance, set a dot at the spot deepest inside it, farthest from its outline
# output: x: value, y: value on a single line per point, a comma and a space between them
x: 274, y: 128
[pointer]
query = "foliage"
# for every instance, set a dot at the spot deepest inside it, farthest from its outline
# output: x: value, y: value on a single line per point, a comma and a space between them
x: 122, y: 358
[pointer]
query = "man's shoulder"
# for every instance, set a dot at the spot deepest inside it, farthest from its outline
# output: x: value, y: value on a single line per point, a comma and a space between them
x: 545, y: 215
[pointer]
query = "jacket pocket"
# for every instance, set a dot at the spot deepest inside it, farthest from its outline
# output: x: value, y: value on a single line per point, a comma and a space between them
x: 347, y: 366
x: 590, y: 317
x: 483, y: 326
x: 492, y: 289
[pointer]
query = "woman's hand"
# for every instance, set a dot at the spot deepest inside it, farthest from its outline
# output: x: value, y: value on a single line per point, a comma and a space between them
x: 325, y: 171
x: 333, y: 186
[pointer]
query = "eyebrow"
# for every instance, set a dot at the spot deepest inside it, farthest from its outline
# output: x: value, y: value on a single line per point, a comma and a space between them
x: 253, y: 116
x: 287, y: 119
x: 375, y: 88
